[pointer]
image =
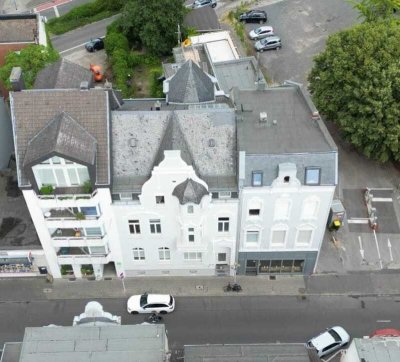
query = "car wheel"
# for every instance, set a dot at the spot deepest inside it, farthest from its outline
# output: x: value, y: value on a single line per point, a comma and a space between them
x: 213, y: 5
x: 163, y: 312
x: 277, y: 48
x: 134, y: 312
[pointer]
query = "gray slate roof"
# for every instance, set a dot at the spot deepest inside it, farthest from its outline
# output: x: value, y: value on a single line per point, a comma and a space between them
x: 190, y: 85
x: 66, y: 137
x: 282, y: 352
x: 32, y: 110
x: 189, y: 191
x: 203, y: 19
x: 378, y: 349
x: 63, y: 74
x: 145, y: 343
x: 140, y: 138
x: 18, y: 28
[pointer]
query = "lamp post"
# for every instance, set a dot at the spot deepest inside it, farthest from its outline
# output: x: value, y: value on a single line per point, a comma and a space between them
x: 234, y: 267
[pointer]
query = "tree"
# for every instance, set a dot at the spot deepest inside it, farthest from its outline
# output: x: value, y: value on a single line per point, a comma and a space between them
x: 153, y: 23
x: 373, y: 10
x: 356, y: 83
x: 31, y: 59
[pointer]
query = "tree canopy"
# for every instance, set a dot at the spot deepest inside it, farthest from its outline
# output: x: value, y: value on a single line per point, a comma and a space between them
x: 153, y: 23
x: 356, y: 83
x: 372, y: 10
x: 31, y: 59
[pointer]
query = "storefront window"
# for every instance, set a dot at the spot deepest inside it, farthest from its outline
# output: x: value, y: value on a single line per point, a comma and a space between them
x: 276, y: 266
x: 287, y: 266
x: 264, y: 266
x: 298, y: 266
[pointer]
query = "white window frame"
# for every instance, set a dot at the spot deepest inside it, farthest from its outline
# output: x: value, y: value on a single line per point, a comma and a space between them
x: 190, y: 209
x: 192, y: 256
x: 311, y: 199
x: 252, y: 232
x: 312, y: 168
x: 155, y: 226
x: 134, y: 225
x: 305, y: 228
x: 64, y: 166
x: 279, y: 228
x: 160, y: 200
x: 138, y: 254
x: 191, y: 231
x: 164, y: 254
x: 286, y: 216
x: 224, y: 222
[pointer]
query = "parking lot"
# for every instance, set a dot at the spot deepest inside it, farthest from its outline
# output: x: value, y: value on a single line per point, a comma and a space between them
x: 303, y: 26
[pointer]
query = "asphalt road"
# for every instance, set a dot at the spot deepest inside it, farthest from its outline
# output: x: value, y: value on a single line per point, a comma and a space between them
x: 303, y: 26
x: 232, y: 319
x: 63, y: 9
x: 78, y: 37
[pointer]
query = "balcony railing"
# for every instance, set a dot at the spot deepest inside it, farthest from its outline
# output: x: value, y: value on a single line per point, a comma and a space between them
x: 62, y: 195
x: 67, y: 214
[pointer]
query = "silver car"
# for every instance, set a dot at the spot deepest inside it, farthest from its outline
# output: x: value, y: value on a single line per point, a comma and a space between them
x: 329, y: 341
x: 272, y: 42
x: 261, y: 32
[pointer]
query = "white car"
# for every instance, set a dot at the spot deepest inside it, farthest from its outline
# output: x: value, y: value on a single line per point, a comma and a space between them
x: 151, y: 303
x: 261, y: 32
x: 202, y: 3
x: 329, y: 341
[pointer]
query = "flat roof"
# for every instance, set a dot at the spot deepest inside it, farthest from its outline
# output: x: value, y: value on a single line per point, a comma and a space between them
x: 287, y: 126
x: 282, y: 352
x: 378, y: 349
x: 145, y: 343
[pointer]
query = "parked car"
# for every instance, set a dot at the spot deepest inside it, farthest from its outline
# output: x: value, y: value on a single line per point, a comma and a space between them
x: 94, y: 45
x: 151, y: 303
x: 261, y: 32
x: 329, y: 341
x: 202, y: 3
x: 272, y: 42
x: 254, y: 16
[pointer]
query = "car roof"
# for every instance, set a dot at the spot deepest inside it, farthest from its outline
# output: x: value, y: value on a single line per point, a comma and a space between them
x: 158, y: 298
x: 256, y: 12
x: 265, y: 27
x: 323, y: 340
x: 271, y: 38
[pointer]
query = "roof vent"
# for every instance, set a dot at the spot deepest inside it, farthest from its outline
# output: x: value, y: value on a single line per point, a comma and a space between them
x: 132, y: 142
x: 274, y: 122
x: 84, y: 85
x: 211, y: 142
x: 263, y: 117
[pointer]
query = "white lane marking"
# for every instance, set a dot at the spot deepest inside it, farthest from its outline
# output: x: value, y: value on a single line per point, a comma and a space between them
x: 56, y: 12
x: 361, y: 247
x: 357, y: 221
x: 67, y: 50
x: 377, y: 247
x: 382, y: 199
x: 383, y: 321
x: 390, y: 249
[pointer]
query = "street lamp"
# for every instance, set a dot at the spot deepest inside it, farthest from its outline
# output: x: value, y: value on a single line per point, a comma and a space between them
x: 234, y: 267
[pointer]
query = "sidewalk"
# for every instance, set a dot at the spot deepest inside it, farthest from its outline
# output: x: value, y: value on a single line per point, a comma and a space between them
x: 357, y: 284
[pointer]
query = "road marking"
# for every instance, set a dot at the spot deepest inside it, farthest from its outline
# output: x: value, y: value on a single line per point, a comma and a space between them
x: 377, y: 247
x: 390, y: 249
x: 383, y: 321
x: 357, y: 221
x: 56, y: 12
x: 382, y: 199
x: 361, y: 247
x: 67, y: 50
x: 49, y: 5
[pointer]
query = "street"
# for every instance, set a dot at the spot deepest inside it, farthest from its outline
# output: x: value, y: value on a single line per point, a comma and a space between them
x: 235, y: 319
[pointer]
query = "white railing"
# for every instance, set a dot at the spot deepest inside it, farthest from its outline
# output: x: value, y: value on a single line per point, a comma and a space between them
x: 62, y: 197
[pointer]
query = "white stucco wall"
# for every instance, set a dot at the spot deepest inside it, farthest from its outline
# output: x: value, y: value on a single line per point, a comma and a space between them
x: 175, y: 220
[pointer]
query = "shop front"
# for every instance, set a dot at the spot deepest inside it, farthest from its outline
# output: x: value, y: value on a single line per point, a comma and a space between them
x: 22, y: 263
x: 259, y: 263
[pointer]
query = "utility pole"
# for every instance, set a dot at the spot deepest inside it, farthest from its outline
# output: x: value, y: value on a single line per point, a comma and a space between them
x: 179, y: 34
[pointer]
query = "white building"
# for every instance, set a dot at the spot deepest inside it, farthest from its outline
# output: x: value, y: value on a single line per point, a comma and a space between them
x: 287, y: 176
x: 184, y: 188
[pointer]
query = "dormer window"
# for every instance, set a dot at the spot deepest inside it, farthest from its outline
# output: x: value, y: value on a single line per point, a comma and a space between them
x: 160, y: 200
x: 257, y: 178
x: 313, y: 176
x: 286, y: 179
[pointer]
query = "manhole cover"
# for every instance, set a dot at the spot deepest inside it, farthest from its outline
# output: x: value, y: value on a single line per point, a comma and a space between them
x: 47, y: 290
x: 199, y: 287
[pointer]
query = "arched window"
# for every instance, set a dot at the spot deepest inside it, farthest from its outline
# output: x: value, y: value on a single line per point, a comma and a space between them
x: 310, y: 208
x: 164, y: 253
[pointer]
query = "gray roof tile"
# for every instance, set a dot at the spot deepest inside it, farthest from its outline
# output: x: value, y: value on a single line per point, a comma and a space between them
x: 33, y: 109
x: 63, y: 74
x: 190, y: 85
x: 189, y: 191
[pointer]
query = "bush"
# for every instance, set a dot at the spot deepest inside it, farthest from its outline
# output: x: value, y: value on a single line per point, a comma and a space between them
x: 80, y: 216
x: 115, y: 41
x: 85, y: 14
x: 87, y: 269
x: 66, y: 270
x: 156, y: 86
x: 46, y: 190
x: 87, y: 187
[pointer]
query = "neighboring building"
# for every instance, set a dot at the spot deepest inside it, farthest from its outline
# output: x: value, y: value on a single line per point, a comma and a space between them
x: 6, y: 139
x: 287, y: 172
x: 100, y: 338
x: 203, y: 20
x: 17, y: 32
x: 282, y: 352
x: 374, y: 349
x: 64, y: 74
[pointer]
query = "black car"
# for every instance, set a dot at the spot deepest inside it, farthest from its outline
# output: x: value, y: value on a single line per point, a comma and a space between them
x: 94, y: 44
x: 254, y: 16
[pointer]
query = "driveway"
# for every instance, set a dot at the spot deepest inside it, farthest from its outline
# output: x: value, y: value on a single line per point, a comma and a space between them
x: 303, y: 26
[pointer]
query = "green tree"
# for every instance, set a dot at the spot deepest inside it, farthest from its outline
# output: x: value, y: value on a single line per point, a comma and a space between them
x: 356, y: 83
x: 373, y: 10
x: 153, y: 24
x: 31, y: 59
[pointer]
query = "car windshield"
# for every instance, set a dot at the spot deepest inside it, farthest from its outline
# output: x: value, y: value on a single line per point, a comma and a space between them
x: 258, y: 30
x: 171, y: 300
x: 335, y: 336
x: 143, y: 300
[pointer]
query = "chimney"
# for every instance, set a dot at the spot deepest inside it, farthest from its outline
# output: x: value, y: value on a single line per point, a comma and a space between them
x: 16, y: 79
x: 263, y: 117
